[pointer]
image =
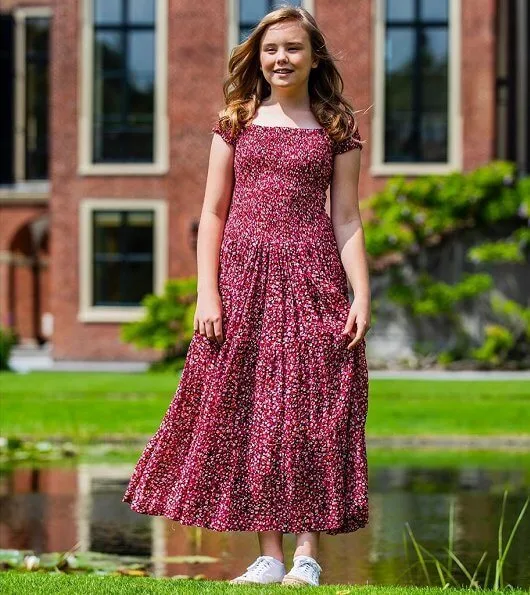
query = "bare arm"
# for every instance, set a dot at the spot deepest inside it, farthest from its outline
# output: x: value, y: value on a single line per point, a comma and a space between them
x: 217, y: 196
x: 349, y: 233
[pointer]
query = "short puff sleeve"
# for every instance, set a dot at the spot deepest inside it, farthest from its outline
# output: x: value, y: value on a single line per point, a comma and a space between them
x: 351, y: 142
x: 226, y: 135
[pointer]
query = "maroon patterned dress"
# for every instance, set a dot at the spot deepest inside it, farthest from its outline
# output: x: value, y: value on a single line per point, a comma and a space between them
x: 267, y: 431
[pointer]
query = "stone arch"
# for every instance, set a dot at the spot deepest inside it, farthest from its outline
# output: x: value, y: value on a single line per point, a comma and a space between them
x: 28, y: 280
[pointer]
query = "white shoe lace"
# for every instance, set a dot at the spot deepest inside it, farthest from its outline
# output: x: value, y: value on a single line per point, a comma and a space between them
x: 308, y: 569
x: 259, y: 566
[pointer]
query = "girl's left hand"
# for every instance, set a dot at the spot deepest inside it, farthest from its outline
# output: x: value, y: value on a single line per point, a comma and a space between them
x: 358, y: 318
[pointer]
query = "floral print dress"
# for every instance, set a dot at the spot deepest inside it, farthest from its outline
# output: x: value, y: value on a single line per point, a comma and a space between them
x: 267, y: 431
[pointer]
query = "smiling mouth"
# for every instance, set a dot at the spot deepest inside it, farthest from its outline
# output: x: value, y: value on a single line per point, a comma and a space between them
x: 282, y: 71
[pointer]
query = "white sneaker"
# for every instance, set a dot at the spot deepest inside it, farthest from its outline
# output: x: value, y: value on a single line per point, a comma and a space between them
x: 265, y: 569
x: 305, y: 571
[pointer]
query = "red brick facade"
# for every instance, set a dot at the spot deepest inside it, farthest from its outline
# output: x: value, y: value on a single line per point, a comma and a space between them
x: 197, y: 57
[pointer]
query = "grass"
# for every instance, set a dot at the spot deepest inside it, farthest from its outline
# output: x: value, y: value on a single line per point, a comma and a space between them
x: 83, y: 406
x: 14, y: 583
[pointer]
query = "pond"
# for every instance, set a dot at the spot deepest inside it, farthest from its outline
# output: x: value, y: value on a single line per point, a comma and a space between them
x: 54, y: 508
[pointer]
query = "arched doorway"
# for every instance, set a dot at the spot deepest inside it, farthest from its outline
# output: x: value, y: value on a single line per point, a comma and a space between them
x: 28, y: 282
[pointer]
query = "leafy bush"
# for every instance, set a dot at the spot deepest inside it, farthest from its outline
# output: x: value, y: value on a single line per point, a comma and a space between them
x: 409, y: 214
x: 513, y: 249
x: 408, y: 218
x: 8, y: 339
x: 168, y: 322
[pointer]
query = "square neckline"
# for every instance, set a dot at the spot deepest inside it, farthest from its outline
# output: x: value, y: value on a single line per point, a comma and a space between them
x: 252, y: 124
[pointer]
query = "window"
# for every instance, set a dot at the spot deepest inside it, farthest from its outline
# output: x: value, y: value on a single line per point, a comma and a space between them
x: 124, y: 75
x: 7, y: 102
x: 418, y: 97
x: 123, y: 256
x: 124, y: 96
x: 31, y: 94
x: 36, y: 116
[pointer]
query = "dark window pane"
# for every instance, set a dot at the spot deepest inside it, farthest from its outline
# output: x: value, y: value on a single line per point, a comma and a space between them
x: 434, y: 10
x: 37, y: 72
x: 106, y: 232
x: 37, y: 35
x: 125, y: 145
x: 123, y: 259
x: 141, y: 99
x: 106, y: 284
x: 400, y: 10
x: 108, y: 12
x: 400, y: 140
x: 140, y: 237
x: 108, y: 52
x: 7, y: 80
x: 400, y: 51
x: 434, y: 68
x: 108, y: 99
x: 142, y: 11
x: 434, y: 121
x: 434, y: 136
x: 252, y: 11
x: 141, y: 60
x: 138, y: 281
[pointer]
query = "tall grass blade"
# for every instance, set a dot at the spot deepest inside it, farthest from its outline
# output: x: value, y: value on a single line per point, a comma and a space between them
x: 499, y: 581
x: 435, y: 560
x: 461, y: 566
x: 474, y: 579
x: 497, y: 575
x: 443, y: 582
x: 498, y: 567
x: 486, y: 578
x: 517, y: 523
x: 451, y: 533
x: 408, y: 572
x: 419, y: 554
x: 407, y: 557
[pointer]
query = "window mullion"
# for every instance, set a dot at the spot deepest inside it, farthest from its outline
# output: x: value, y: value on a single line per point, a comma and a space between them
x: 416, y: 91
x: 123, y: 257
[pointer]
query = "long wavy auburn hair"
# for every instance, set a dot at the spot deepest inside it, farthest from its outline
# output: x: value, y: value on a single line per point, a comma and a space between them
x: 245, y: 87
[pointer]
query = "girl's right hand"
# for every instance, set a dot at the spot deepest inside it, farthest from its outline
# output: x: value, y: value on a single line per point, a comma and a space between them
x: 208, y: 315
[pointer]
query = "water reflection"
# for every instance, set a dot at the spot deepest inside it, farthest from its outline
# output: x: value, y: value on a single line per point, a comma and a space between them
x: 52, y: 509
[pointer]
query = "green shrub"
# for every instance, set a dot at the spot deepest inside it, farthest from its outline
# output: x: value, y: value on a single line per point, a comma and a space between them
x: 8, y: 339
x: 407, y: 217
x: 410, y: 214
x: 168, y: 322
x: 499, y: 341
x: 513, y: 249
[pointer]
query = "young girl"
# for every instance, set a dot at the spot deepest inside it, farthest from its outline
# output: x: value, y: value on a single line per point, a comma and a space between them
x: 265, y: 432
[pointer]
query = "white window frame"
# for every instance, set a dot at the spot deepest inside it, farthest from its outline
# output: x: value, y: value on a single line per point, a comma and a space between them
x: 160, y: 164
x: 232, y: 8
x: 87, y: 311
x: 454, y: 134
x: 19, y: 157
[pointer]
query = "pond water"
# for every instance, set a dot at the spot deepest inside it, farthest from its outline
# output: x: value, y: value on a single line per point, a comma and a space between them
x: 50, y: 509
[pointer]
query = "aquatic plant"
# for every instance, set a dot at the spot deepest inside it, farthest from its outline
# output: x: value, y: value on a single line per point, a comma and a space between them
x: 445, y: 572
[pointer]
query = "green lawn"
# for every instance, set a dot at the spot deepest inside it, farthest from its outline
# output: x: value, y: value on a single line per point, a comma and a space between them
x: 15, y: 583
x: 85, y: 406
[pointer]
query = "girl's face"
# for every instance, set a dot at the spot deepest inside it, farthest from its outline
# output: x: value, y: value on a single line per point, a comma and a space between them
x: 286, y: 47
